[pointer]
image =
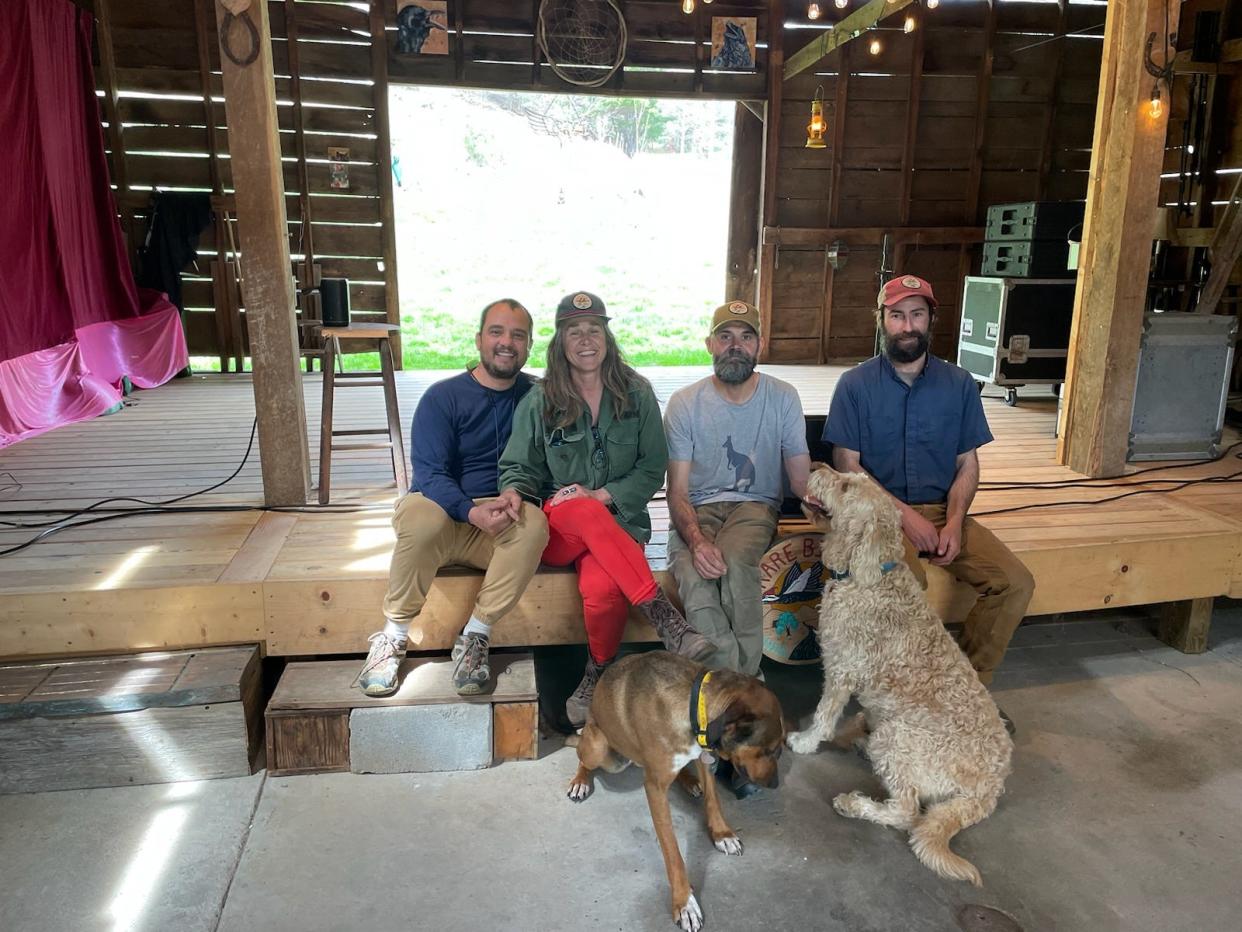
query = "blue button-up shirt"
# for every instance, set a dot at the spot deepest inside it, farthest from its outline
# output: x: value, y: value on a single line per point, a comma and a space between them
x: 909, y: 436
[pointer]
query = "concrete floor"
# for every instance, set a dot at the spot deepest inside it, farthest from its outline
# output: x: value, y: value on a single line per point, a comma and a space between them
x: 1121, y: 814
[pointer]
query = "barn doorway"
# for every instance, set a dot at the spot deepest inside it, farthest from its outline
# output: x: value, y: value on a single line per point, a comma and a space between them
x: 505, y: 194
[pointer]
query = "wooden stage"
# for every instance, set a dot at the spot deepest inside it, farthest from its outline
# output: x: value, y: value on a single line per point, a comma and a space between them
x: 312, y: 583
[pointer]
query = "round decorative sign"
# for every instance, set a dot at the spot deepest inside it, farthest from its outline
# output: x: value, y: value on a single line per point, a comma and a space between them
x: 911, y: 282
x: 582, y: 301
x: 737, y: 307
x: 791, y: 577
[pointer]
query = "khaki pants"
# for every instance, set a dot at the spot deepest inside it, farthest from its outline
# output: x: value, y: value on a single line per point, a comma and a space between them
x: 1004, y: 584
x: 428, y: 539
x: 727, y: 611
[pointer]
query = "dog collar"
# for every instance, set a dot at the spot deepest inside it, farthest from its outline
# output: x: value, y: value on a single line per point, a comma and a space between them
x: 885, y: 568
x: 698, y: 709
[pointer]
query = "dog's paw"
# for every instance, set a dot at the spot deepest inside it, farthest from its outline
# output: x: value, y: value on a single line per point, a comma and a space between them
x: 689, y: 917
x: 578, y: 791
x: 803, y: 742
x: 847, y: 804
x: 728, y: 844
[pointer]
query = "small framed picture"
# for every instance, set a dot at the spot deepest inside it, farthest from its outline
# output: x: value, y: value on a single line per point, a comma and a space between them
x: 733, y: 43
x: 338, y: 168
x: 422, y: 27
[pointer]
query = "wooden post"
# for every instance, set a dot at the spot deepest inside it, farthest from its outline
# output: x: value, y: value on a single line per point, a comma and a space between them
x: 1122, y: 192
x: 744, y: 206
x: 267, y: 277
x: 839, y: 107
x: 383, y: 150
x: 771, y: 156
x: 1185, y: 625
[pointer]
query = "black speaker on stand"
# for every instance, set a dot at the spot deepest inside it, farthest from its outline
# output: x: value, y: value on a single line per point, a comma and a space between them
x: 334, y: 297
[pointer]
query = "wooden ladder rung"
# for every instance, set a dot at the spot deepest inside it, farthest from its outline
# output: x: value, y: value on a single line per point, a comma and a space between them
x: 387, y: 445
x: 358, y: 383
x: 359, y: 433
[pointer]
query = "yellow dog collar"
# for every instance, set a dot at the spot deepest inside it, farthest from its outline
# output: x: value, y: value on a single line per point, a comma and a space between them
x: 698, y: 708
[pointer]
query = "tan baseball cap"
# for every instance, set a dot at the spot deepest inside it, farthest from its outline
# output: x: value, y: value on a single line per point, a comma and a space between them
x: 736, y: 312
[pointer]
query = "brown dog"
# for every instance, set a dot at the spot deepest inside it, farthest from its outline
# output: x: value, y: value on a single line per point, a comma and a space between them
x: 641, y: 713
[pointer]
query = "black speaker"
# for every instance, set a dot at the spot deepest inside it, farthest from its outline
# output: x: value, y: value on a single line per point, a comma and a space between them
x: 334, y: 295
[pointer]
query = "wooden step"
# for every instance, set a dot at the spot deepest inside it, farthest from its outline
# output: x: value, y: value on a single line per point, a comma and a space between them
x: 140, y: 718
x: 310, y: 715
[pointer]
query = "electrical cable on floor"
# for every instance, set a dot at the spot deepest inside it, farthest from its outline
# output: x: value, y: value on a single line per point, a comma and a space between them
x: 165, y: 507
x: 1209, y: 480
x: 1118, y: 482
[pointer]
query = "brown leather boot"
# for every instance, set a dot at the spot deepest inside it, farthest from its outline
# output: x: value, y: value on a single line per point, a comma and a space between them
x: 579, y: 703
x: 676, y: 633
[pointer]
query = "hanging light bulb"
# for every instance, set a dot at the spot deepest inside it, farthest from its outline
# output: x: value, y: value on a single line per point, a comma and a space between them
x: 841, y: 4
x: 815, y: 129
x: 812, y: 11
x: 932, y: 4
x: 875, y: 47
x: 909, y: 24
x: 1157, y: 103
x: 687, y: 6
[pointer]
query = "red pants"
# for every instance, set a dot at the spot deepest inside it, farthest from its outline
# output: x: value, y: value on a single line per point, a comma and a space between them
x: 612, y: 569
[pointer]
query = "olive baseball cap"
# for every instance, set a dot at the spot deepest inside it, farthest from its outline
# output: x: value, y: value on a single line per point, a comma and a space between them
x: 736, y: 312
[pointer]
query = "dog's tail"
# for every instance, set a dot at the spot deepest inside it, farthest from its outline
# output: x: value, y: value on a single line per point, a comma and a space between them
x: 930, y: 836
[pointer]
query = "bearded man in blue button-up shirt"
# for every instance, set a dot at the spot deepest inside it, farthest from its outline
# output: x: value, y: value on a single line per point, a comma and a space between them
x: 915, y: 423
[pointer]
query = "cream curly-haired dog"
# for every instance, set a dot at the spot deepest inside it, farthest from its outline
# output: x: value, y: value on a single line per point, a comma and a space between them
x: 936, y: 738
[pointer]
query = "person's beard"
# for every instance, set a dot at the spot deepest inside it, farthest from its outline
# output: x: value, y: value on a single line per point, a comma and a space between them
x: 733, y: 367
x: 505, y: 368
x: 905, y: 350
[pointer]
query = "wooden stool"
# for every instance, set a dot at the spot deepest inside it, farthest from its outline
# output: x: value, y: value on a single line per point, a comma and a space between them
x: 377, y: 336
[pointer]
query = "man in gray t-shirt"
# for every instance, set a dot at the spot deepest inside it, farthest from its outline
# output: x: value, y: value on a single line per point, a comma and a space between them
x: 732, y: 438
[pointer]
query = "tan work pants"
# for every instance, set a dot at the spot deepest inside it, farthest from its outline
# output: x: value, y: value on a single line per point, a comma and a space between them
x: 428, y: 539
x: 727, y: 611
x: 1004, y: 585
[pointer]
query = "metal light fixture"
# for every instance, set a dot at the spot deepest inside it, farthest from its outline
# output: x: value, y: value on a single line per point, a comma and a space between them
x: 815, y: 129
x: 812, y: 11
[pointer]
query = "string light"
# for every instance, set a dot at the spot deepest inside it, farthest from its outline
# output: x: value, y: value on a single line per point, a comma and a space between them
x: 932, y: 4
x: 909, y: 24
x: 1157, y: 103
x: 841, y: 4
x: 875, y: 47
x: 687, y: 6
x: 812, y: 11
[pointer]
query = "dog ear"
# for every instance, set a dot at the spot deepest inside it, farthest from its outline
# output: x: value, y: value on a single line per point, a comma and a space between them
x: 732, y: 727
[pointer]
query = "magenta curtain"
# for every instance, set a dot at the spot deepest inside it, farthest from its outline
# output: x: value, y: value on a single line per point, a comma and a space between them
x: 63, y: 265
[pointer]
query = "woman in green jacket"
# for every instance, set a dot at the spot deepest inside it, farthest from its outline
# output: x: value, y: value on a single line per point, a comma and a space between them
x: 588, y: 443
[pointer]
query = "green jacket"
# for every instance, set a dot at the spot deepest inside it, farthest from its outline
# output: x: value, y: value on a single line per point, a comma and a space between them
x: 538, y: 461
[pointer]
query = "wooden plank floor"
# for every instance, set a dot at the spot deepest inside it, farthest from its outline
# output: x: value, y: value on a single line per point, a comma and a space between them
x: 312, y: 582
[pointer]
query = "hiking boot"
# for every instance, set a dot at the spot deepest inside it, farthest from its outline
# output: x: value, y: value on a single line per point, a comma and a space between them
x: 676, y: 633
x: 471, y: 673
x: 741, y: 787
x: 578, y: 704
x: 379, y: 673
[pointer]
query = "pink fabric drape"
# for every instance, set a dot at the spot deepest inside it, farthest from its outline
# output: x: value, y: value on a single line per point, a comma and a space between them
x: 72, y: 322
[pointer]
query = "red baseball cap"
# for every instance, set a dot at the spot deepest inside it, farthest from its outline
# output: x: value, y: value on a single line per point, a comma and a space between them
x: 905, y: 286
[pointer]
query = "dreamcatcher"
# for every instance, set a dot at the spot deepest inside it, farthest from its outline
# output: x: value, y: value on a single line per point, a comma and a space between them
x: 583, y: 40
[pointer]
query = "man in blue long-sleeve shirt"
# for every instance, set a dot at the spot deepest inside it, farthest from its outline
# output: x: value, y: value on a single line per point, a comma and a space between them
x: 451, y: 515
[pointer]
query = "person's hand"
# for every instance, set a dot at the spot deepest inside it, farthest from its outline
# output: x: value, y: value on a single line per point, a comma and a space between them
x: 568, y: 493
x: 511, y: 502
x: 709, y: 562
x: 950, y: 544
x: 921, y: 532
x: 490, y: 517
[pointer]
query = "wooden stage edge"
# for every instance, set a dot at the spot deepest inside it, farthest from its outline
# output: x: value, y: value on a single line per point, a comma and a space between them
x: 312, y: 584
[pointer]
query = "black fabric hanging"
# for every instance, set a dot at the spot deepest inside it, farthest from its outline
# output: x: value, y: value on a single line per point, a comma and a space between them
x: 177, y: 220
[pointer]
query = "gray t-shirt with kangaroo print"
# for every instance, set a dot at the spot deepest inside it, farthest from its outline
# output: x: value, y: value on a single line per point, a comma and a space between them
x: 736, y: 452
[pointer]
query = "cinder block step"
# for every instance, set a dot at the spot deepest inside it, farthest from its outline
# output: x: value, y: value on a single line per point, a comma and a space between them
x: 140, y: 718
x: 320, y: 722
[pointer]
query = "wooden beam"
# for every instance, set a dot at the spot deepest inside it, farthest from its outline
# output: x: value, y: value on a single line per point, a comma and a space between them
x: 913, y: 99
x: 744, y: 206
x: 107, y: 62
x: 383, y: 131
x: 307, y: 235
x: 771, y: 159
x: 1114, y: 261
x: 871, y: 236
x: 1050, y: 115
x: 1185, y: 625
x: 1226, y: 248
x: 840, y: 107
x: 840, y: 34
x: 983, y: 93
x: 258, y: 181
